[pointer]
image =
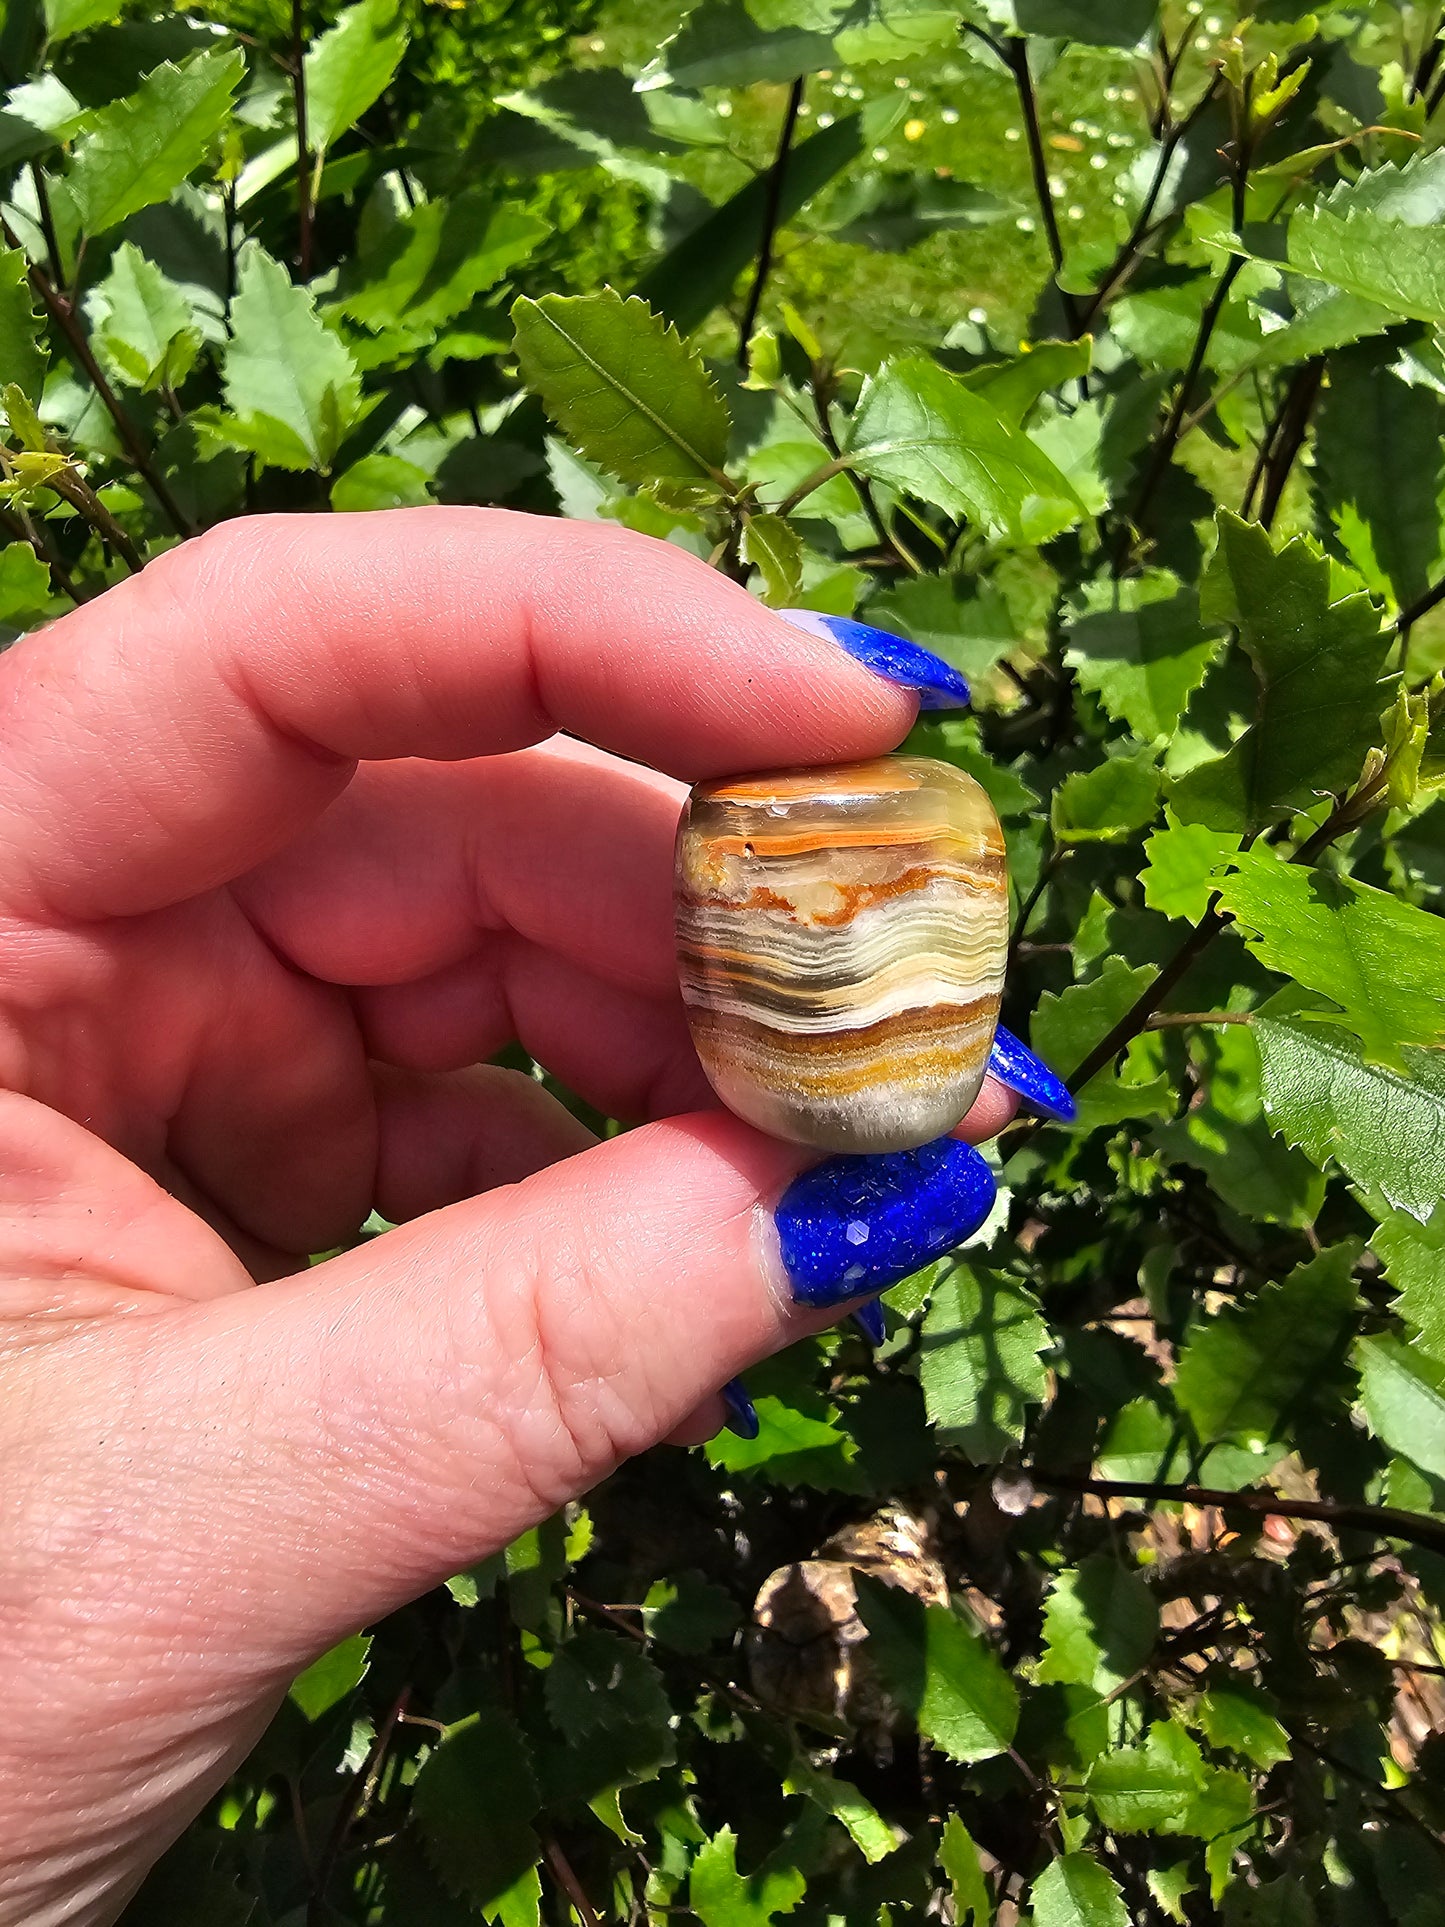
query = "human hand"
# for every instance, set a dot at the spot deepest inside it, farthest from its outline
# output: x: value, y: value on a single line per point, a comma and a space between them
x: 286, y: 853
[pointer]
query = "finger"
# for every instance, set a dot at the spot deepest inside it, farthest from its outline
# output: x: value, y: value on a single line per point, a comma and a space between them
x: 442, y: 1139
x: 172, y: 733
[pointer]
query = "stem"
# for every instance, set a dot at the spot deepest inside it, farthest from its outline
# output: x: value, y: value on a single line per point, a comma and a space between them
x: 358, y: 1792
x: 1432, y: 598
x: 60, y: 311
x: 1142, y: 1009
x: 566, y: 1879
x: 1167, y: 443
x: 1016, y: 53
x: 47, y: 224
x: 1384, y: 1521
x: 1181, y: 1019
x: 772, y: 207
x: 304, y: 207
x: 860, y: 482
x: 1294, y: 420
x: 1030, y: 903
x: 836, y: 466
x: 84, y: 500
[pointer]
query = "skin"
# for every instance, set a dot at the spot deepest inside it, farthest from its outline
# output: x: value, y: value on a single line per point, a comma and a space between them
x: 289, y: 840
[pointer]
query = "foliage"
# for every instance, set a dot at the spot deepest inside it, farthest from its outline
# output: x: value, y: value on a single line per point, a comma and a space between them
x: 1129, y: 1546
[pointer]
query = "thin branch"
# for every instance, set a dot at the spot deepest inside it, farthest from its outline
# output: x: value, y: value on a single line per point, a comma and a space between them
x: 772, y: 208
x: 1165, y: 446
x: 305, y: 211
x: 838, y: 465
x: 1299, y: 405
x: 1016, y: 56
x: 358, y: 1792
x: 1136, y: 1018
x: 1184, y: 1019
x: 1030, y: 903
x: 83, y: 499
x: 61, y: 312
x: 860, y: 482
x: 47, y: 224
x: 1431, y: 599
x: 566, y: 1879
x: 1383, y: 1521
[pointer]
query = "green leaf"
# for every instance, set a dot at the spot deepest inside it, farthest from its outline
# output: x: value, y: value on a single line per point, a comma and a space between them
x: 1151, y: 1787
x: 775, y: 549
x: 606, y: 1698
x: 699, y: 271
x: 145, y: 327
x: 1180, y: 864
x: 979, y: 1359
x: 473, y: 1804
x: 1075, y: 1891
x: 920, y: 430
x: 66, y: 17
x: 1380, y: 960
x: 1381, y: 237
x: 895, y: 30
x: 1386, y: 1130
x: 23, y: 354
x: 1237, y: 1719
x: 25, y: 590
x: 1139, y: 645
x: 535, y: 1561
x: 689, y: 1613
x: 1414, y: 1257
x: 1318, y: 659
x: 1067, y: 1026
x: 1382, y: 474
x: 433, y: 261
x: 1113, y: 799
x: 958, y: 1856
x: 966, y: 621
x: 1240, y: 1373
x: 350, y: 67
x: 939, y: 1671
x: 380, y: 482
x: 1403, y: 1393
x: 328, y: 1680
x: 720, y: 44
x: 1099, y: 23
x: 138, y: 150
x: 1100, y: 1623
x: 289, y: 381
x: 722, y: 1897
x: 868, y: 1830
x: 624, y: 388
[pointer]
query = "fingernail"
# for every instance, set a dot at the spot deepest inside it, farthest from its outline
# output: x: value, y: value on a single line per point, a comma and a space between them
x: 742, y: 1415
x: 1014, y: 1064
x: 855, y: 1225
x: 937, y: 684
x: 870, y: 1321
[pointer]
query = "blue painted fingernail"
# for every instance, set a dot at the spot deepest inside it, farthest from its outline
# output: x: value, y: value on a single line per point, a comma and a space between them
x: 870, y: 1321
x: 937, y: 684
x: 1014, y: 1064
x: 856, y: 1225
x: 742, y: 1415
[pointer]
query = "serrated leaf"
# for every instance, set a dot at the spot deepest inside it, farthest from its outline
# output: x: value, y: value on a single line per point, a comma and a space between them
x: 870, y: 1833
x: 535, y: 1562
x: 958, y: 1856
x: 1403, y: 1393
x: 689, y: 1613
x: 1237, y: 1719
x: 1139, y: 645
x: 328, y: 1680
x: 624, y: 388
x: 1381, y: 237
x: 1414, y: 1259
x: 1178, y: 877
x: 66, y: 17
x: 979, y: 1359
x: 1148, y: 1788
x: 1075, y: 1891
x: 23, y: 355
x: 350, y: 67
x: 289, y: 381
x: 1318, y: 659
x: 1385, y: 1129
x: 720, y: 44
x: 775, y: 549
x: 380, y: 482
x: 1098, y: 23
x: 25, y: 590
x: 138, y: 150
x: 596, y: 1680
x: 939, y: 1671
x: 145, y: 327
x: 1100, y: 1623
x: 920, y: 430
x: 722, y: 1897
x: 473, y: 1804
x: 1240, y: 1372
x: 433, y: 261
x: 1067, y: 1026
x: 1380, y: 960
x: 1113, y: 799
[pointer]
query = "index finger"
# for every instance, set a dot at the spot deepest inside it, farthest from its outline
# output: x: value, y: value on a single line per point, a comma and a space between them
x: 168, y: 736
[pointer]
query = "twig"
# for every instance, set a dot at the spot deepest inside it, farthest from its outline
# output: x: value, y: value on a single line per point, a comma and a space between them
x: 1167, y: 443
x: 1384, y: 1521
x: 1182, y: 1019
x: 304, y: 209
x: 1294, y: 420
x: 58, y: 307
x: 837, y: 466
x: 772, y: 206
x: 1431, y: 599
x: 569, y: 1883
x: 1136, y: 1018
x: 47, y: 224
x: 1030, y: 903
x: 1016, y: 55
x: 359, y: 1790
x: 86, y: 503
x: 860, y: 482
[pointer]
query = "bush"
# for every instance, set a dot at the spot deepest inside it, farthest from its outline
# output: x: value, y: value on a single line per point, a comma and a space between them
x: 1100, y: 351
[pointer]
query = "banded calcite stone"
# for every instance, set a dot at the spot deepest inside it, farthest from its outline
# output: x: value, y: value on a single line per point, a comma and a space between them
x: 841, y: 944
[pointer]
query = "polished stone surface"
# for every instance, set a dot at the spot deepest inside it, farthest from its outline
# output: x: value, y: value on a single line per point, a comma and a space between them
x: 841, y: 944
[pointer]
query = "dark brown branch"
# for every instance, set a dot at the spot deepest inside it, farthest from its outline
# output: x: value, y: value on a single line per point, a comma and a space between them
x: 305, y: 211
x: 1432, y: 598
x: 1136, y: 1017
x: 1016, y: 54
x: 359, y: 1789
x: 1294, y: 421
x: 87, y: 504
x: 772, y: 207
x: 61, y: 312
x: 1384, y: 1522
x: 569, y: 1883
x: 47, y: 223
x: 1168, y: 441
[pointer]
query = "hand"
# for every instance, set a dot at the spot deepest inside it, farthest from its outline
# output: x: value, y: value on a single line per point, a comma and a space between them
x: 289, y: 846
